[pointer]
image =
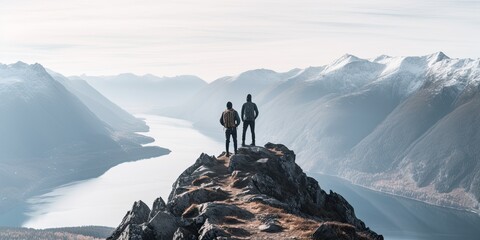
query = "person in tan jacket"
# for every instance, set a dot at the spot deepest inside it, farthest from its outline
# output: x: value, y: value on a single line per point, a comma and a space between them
x: 230, y: 120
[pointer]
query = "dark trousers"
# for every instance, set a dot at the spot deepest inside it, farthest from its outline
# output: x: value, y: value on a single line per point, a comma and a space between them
x: 231, y: 132
x: 252, y: 130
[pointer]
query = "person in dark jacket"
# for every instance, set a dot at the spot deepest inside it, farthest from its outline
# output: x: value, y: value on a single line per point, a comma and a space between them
x: 230, y: 120
x: 249, y: 114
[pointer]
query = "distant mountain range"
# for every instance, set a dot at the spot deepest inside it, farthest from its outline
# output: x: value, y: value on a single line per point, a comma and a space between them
x: 54, y: 130
x: 106, y: 110
x: 403, y: 125
x: 143, y: 93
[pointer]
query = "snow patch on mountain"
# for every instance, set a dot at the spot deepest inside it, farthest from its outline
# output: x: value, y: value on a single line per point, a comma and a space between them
x: 13, y: 78
x: 341, y: 62
x: 456, y: 72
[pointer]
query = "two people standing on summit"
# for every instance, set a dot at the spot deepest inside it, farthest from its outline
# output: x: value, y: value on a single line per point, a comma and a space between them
x: 230, y: 120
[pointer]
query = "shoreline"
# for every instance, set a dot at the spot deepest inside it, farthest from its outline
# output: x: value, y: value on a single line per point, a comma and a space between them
x: 15, y: 212
x: 145, y: 179
x: 397, y: 195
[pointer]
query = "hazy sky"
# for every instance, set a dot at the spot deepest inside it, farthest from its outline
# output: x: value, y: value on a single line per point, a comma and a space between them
x: 213, y: 38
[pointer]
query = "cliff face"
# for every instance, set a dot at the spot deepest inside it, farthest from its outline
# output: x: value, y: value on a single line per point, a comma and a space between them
x: 259, y: 193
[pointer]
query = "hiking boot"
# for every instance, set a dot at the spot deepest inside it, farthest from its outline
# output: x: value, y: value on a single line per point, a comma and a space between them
x: 228, y: 154
x: 252, y: 144
x: 243, y: 144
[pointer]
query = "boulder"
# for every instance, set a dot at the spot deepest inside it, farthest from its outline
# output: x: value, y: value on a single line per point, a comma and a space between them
x: 132, y: 232
x: 164, y: 225
x: 180, y: 202
x: 216, y: 212
x: 158, y: 206
x: 342, y: 231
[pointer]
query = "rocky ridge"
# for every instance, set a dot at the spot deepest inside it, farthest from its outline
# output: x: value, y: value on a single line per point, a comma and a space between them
x: 259, y: 193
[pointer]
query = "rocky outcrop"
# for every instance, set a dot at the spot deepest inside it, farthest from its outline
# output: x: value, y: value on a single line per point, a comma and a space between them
x: 132, y: 220
x: 259, y: 193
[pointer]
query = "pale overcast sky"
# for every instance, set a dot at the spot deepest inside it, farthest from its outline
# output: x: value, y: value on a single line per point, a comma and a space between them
x: 214, y: 38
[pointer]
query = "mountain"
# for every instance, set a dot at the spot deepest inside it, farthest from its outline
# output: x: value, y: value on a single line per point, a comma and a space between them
x: 259, y: 193
x: 49, y: 137
x: 145, y: 93
x: 403, y: 125
x: 102, y: 107
x: 203, y: 108
x: 432, y: 152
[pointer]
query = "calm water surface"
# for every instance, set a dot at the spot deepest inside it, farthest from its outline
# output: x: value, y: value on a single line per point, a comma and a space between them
x: 105, y: 200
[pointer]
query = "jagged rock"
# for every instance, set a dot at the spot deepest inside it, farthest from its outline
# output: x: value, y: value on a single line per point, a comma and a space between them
x: 344, y: 212
x: 148, y: 232
x: 255, y: 192
x: 186, y: 177
x: 183, y: 234
x: 240, y: 181
x: 131, y: 232
x: 334, y: 231
x: 210, y: 231
x: 280, y: 178
x: 342, y: 231
x: 179, y: 203
x: 281, y: 148
x: 239, y: 162
x: 158, y: 206
x: 216, y: 212
x: 265, y: 184
x: 136, y: 216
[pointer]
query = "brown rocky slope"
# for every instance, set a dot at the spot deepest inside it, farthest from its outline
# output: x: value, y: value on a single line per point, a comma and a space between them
x: 259, y: 193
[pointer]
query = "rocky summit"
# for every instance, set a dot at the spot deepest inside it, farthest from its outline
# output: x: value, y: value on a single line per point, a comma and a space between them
x: 259, y: 193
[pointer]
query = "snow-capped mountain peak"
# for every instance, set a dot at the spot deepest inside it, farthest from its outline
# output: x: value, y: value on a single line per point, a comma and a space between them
x: 27, y: 79
x: 381, y: 58
x: 437, y: 57
x: 341, y: 62
x: 412, y: 64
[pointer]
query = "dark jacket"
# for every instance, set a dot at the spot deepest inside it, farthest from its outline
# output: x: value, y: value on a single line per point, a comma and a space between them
x: 249, y: 111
